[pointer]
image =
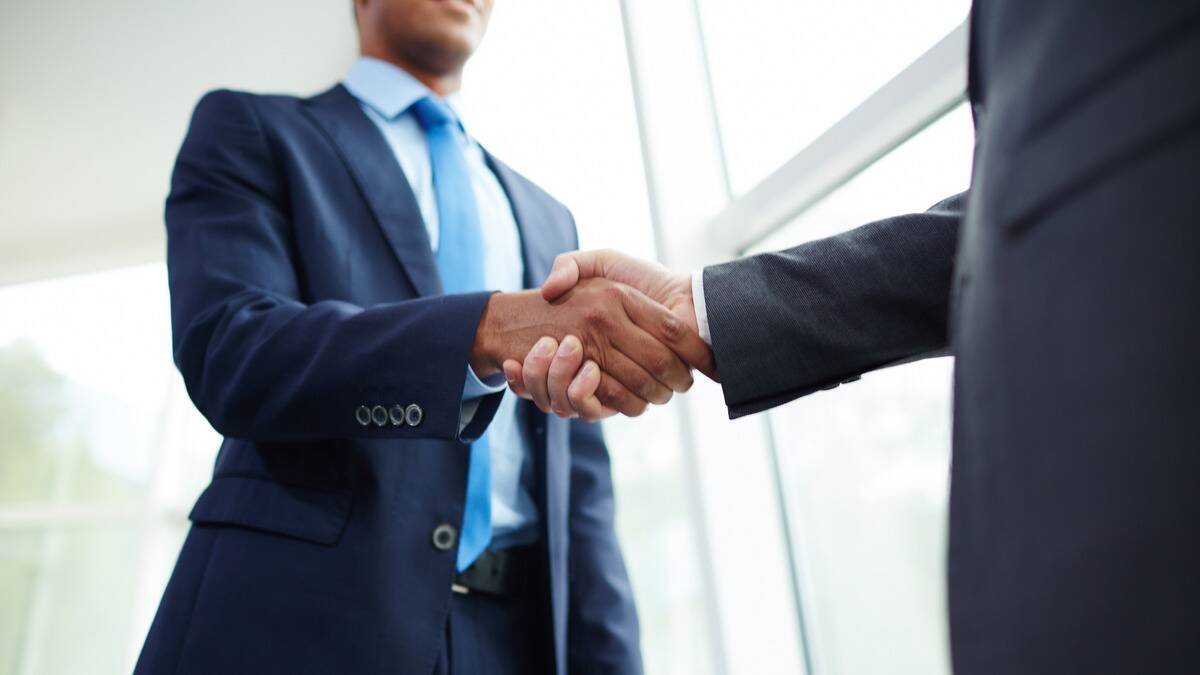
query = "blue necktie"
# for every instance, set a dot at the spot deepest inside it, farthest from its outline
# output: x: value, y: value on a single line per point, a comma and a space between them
x: 460, y: 262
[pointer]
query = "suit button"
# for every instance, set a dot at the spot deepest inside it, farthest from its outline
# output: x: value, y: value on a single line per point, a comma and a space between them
x: 413, y: 414
x: 444, y: 537
x: 379, y: 415
x: 363, y: 415
x: 396, y: 415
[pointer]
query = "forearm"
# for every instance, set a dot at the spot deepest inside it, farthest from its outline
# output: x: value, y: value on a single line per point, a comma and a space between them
x: 790, y: 323
x: 269, y: 368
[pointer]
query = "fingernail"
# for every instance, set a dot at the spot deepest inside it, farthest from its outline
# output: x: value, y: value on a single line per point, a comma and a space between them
x: 590, y: 368
x: 570, y: 345
x: 544, y: 347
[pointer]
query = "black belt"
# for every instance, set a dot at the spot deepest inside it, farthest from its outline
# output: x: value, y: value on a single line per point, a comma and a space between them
x: 507, y: 573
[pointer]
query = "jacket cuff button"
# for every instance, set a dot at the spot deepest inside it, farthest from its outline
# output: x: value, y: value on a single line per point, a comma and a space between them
x: 379, y: 415
x: 413, y: 414
x: 396, y: 415
x: 362, y: 414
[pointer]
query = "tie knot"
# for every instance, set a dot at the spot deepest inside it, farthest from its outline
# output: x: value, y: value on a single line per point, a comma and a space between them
x: 431, y: 112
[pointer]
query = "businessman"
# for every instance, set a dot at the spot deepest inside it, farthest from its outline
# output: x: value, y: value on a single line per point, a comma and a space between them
x: 379, y: 503
x: 1067, y: 285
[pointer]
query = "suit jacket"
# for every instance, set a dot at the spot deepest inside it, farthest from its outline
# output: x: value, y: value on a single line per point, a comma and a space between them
x: 303, y: 287
x: 1067, y: 285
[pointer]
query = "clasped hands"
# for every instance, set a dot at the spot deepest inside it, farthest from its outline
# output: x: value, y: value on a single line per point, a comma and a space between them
x: 606, y: 334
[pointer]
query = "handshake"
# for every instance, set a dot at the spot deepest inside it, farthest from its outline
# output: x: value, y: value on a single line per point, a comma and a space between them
x: 606, y: 334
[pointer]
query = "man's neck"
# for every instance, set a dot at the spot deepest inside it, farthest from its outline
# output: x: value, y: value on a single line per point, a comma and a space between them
x: 442, y: 84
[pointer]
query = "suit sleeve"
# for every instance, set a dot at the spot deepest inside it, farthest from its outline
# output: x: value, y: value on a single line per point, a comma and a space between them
x: 790, y: 323
x: 602, y: 627
x: 259, y: 361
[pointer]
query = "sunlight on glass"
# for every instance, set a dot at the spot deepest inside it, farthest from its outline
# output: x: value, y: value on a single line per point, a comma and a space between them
x: 784, y: 71
x: 866, y: 466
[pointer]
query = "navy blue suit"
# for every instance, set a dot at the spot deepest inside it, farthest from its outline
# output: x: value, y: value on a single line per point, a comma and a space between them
x: 303, y: 286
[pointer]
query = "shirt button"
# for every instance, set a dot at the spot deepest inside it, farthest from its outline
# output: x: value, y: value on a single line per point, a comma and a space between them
x: 444, y: 536
x: 363, y: 415
x: 379, y: 415
x: 413, y: 414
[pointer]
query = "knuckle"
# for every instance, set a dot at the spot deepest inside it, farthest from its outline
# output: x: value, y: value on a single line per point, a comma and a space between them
x: 578, y: 399
x: 644, y: 387
x: 614, y: 396
x: 661, y: 365
x: 672, y: 328
x: 596, y: 316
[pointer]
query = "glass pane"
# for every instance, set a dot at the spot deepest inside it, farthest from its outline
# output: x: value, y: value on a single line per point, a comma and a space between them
x: 866, y: 470
x: 557, y: 105
x: 85, y: 396
x: 71, y: 599
x: 865, y: 466
x: 784, y: 71
x: 932, y: 165
x: 656, y: 531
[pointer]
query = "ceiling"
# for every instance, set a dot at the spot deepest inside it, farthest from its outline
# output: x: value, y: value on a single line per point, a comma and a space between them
x: 95, y: 98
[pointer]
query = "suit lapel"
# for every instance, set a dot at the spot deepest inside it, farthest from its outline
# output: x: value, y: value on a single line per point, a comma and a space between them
x: 367, y: 155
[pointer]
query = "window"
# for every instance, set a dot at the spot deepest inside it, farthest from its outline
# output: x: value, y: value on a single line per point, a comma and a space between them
x: 784, y: 71
x: 102, y: 454
x: 865, y: 467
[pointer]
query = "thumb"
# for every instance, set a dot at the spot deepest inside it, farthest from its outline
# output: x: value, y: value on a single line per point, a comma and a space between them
x: 563, y: 277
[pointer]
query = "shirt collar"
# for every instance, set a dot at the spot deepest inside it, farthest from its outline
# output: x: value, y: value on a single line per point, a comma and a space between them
x: 389, y: 90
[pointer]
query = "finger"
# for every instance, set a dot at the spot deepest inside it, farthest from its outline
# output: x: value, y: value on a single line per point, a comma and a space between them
x: 633, y: 375
x: 515, y: 374
x: 669, y: 329
x: 582, y: 393
x: 563, y: 368
x: 663, y: 364
x: 536, y: 368
x: 616, y: 396
x: 571, y: 268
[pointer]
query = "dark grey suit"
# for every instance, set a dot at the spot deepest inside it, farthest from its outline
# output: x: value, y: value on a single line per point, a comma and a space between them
x: 1067, y: 285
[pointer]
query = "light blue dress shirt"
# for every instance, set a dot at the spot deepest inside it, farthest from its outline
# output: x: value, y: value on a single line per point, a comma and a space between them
x: 385, y: 93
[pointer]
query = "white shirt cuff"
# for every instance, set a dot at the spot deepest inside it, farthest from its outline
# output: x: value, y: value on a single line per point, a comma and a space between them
x: 474, y: 389
x: 701, y: 308
x: 477, y: 388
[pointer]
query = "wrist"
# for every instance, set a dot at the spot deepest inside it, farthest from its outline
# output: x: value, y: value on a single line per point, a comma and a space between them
x: 494, y: 334
x: 483, y: 359
x: 681, y: 302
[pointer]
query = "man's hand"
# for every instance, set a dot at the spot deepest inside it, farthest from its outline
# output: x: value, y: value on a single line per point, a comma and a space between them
x: 639, y: 345
x: 561, y: 381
